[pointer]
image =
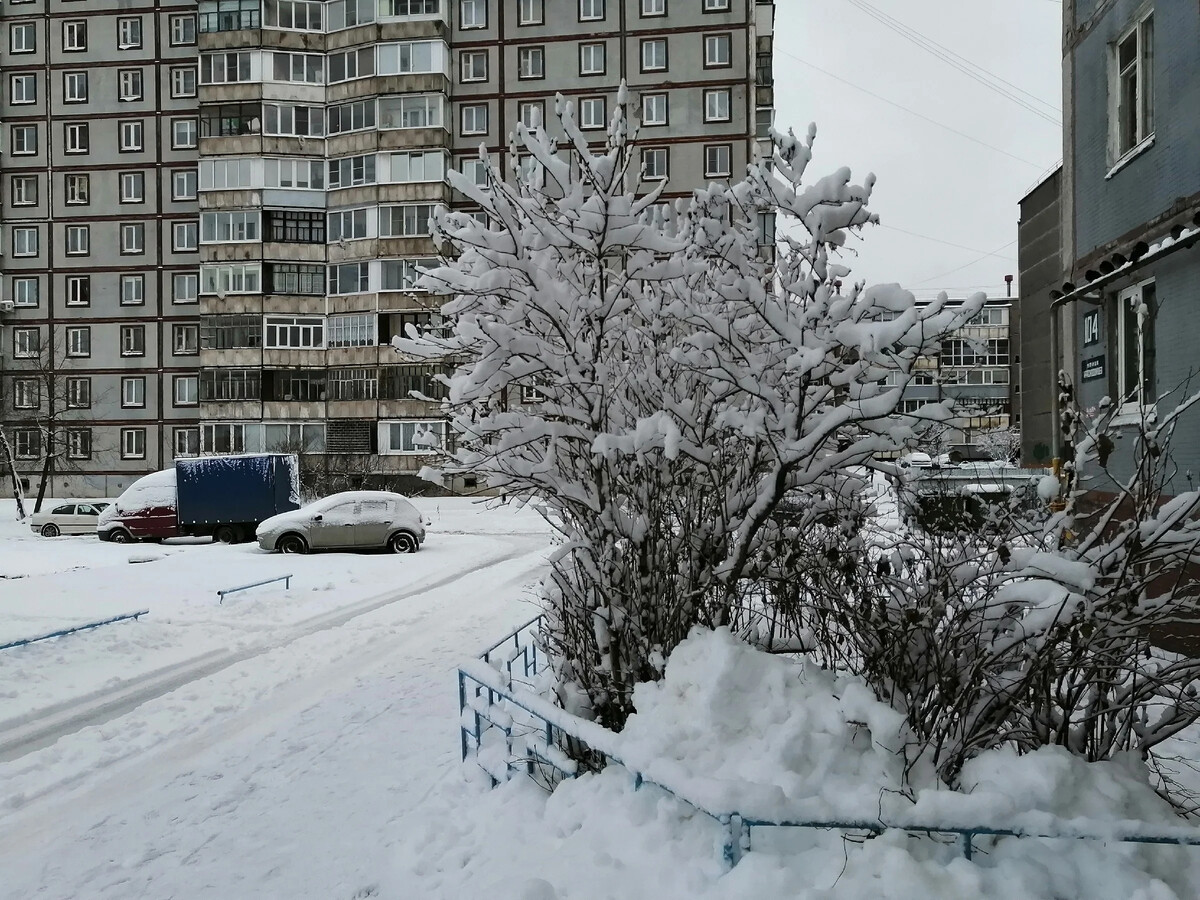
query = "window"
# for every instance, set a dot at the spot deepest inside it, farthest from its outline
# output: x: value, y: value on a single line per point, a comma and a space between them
x: 75, y: 87
x: 716, y: 105
x: 592, y: 113
x: 22, y: 37
x: 187, y: 390
x: 233, y: 226
x: 183, y: 184
x: 183, y: 134
x: 654, y: 109
x: 79, y: 290
x: 230, y: 332
x: 353, y: 384
x: 23, y: 190
x: 79, y: 443
x: 718, y: 160
x: 412, y: 436
x: 296, y: 278
x: 183, y: 31
x: 591, y: 10
x: 79, y: 393
x: 352, y: 171
x: 22, y: 89
x: 530, y: 12
x: 718, y: 51
x: 223, y: 438
x: 472, y: 14
x: 416, y: 111
x: 76, y: 137
x: 963, y: 353
x: 133, y: 290
x: 27, y: 393
x: 411, y: 57
x: 27, y: 443
x: 183, y: 82
x: 133, y: 443
x: 403, y: 274
x: 356, y: 116
x: 133, y: 187
x: 131, y: 135
x: 74, y: 35
x: 532, y: 113
x: 472, y: 65
x: 1132, y: 103
x: 133, y: 340
x: 228, y: 15
x: 129, y: 33
x: 79, y: 241
x: 764, y: 119
x: 351, y: 64
x: 187, y: 442
x: 716, y: 6
x: 25, y: 291
x: 295, y: 226
x: 406, y: 220
x: 185, y: 237
x: 1134, y: 350
x: 299, y: 68
x: 79, y: 341
x: 352, y: 331
x: 25, y: 240
x: 133, y: 392
x: 347, y: 225
x: 27, y: 343
x: 129, y: 84
x: 654, y: 55
x: 410, y: 7
x: 296, y: 174
x: 24, y: 140
x: 531, y: 63
x: 655, y: 163
x: 185, y: 287
x: 349, y: 278
x: 591, y: 59
x: 475, y: 119
x: 295, y: 386
x: 227, y: 67
x: 653, y: 8
x: 293, y: 436
x: 294, y: 332
x: 133, y: 238
x: 185, y: 339
x: 77, y: 188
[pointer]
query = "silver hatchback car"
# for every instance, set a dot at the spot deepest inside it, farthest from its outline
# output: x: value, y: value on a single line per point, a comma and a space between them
x: 351, y: 520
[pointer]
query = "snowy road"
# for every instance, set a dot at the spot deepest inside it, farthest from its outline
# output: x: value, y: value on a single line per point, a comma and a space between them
x: 284, y: 768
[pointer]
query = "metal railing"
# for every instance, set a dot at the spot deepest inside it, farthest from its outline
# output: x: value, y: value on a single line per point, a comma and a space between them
x: 65, y: 631
x: 510, y: 728
x: 286, y: 579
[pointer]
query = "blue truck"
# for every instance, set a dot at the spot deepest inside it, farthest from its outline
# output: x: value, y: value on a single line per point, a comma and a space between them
x: 222, y: 496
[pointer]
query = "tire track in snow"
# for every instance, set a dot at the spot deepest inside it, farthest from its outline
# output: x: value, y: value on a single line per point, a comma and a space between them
x: 42, y: 728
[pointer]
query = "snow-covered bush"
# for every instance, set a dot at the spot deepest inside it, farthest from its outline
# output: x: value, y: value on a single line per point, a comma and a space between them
x: 659, y: 381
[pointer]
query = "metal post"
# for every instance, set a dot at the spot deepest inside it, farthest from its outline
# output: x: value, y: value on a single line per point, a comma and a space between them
x: 462, y: 705
x: 967, y: 848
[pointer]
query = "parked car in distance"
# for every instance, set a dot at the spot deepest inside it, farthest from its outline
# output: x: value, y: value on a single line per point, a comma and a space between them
x: 73, y: 517
x: 351, y: 520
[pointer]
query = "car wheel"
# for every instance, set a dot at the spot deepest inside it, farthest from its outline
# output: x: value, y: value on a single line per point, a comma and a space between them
x: 50, y: 530
x: 226, y: 534
x: 121, y: 536
x: 291, y: 543
x: 404, y: 542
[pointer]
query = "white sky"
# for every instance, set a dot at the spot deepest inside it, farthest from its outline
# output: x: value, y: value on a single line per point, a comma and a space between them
x: 932, y: 181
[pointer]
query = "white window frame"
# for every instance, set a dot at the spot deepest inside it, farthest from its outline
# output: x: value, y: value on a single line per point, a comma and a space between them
x: 660, y: 153
x: 531, y: 63
x: 653, y: 100
x: 474, y: 119
x: 531, y: 12
x: 129, y: 33
x: 79, y: 443
x: 186, y: 390
x: 133, y: 443
x: 1131, y: 409
x: 74, y: 35
x: 79, y: 392
x: 23, y: 146
x: 715, y: 100
x: 185, y: 184
x: 185, y: 288
x: 714, y: 44
x: 75, y: 87
x: 79, y: 290
x: 649, y: 60
x: 718, y: 160
x: 183, y: 30
x: 77, y: 188
x: 77, y: 138
x: 716, y: 6
x: 130, y: 85
x: 1123, y: 143
x: 293, y: 333
x: 27, y: 393
x: 185, y: 236
x: 185, y: 339
x: 27, y: 343
x: 592, y: 10
x: 416, y: 426
x: 593, y: 58
x: 184, y: 133
x: 22, y: 37
x: 653, y: 8
x: 133, y: 392
x: 133, y: 289
x: 588, y: 118
x: 26, y: 240
x: 183, y: 82
x: 133, y: 238
x: 78, y: 240
x: 472, y: 14
x: 132, y: 136
x: 131, y: 337
x: 22, y: 88
x: 133, y: 187
x: 26, y: 291
x: 472, y: 66
x: 79, y: 341
x: 23, y: 189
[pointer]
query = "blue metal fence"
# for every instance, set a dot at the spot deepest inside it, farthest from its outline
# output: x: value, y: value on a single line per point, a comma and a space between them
x: 286, y: 579
x: 65, y: 631
x: 511, y: 726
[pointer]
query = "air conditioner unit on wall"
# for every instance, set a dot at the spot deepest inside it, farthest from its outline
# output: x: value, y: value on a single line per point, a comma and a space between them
x: 7, y: 305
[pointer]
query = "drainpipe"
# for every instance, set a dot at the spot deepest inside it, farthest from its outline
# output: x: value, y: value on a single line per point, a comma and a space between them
x: 1056, y: 358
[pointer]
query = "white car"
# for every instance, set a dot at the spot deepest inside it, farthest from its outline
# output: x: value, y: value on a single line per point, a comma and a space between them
x: 74, y: 517
x: 351, y: 520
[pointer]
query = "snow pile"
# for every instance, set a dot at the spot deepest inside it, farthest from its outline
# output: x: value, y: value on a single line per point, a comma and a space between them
x: 739, y: 730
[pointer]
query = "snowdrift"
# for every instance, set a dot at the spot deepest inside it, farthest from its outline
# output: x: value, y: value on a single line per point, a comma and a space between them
x: 734, y: 729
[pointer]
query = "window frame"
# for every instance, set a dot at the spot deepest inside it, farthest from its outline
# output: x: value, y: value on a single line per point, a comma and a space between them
x: 26, y: 231
x: 23, y: 189
x: 24, y: 29
x: 79, y: 392
x: 591, y: 14
x: 132, y: 187
x: 133, y: 340
x: 176, y: 194
x: 647, y: 10
x: 183, y: 380
x: 711, y: 171
x: 133, y: 238
x: 479, y: 6
x: 717, y: 40
x: 712, y: 93
x: 24, y: 129
x: 666, y: 109
x: 587, y: 123
x: 135, y: 90
x: 25, y: 79
x: 23, y: 297
x: 76, y: 78
x: 79, y: 341
x: 666, y: 168
x: 79, y: 442
x: 133, y: 392
x: 474, y: 109
x: 131, y: 278
x: 531, y: 53
x: 77, y: 29
x: 536, y: 7
x: 179, y: 89
x: 72, y: 182
x: 471, y: 57
x: 1133, y: 410
x: 1123, y: 147
x: 26, y: 342
x: 77, y: 138
x: 78, y: 290
x: 77, y: 240
x: 645, y: 45
x: 132, y: 23
x: 130, y: 441
x: 593, y: 46
x: 181, y: 19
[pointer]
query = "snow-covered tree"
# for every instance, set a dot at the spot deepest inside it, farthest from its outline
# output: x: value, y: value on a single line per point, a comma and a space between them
x: 659, y: 381
x: 1001, y: 444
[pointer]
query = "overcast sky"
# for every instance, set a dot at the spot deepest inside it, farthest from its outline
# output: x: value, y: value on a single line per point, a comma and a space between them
x: 931, y: 181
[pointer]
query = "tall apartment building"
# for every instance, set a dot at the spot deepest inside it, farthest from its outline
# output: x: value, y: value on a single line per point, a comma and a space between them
x: 320, y: 137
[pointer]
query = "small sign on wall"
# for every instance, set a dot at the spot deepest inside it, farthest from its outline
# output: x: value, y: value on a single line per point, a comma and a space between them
x: 1091, y: 330
x: 1093, y: 368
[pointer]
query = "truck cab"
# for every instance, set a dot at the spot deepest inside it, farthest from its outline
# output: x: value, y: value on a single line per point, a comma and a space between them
x: 146, y: 511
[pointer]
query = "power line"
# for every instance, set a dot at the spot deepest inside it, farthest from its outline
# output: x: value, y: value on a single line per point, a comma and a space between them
x: 964, y: 265
x: 911, y: 112
x: 940, y: 241
x: 972, y: 70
